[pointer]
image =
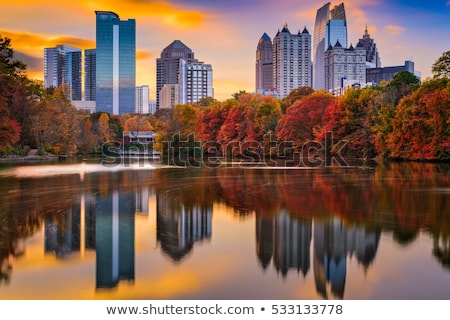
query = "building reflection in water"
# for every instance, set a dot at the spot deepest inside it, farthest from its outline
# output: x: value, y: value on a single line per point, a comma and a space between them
x: 115, y: 239
x: 104, y: 224
x: 286, y: 240
x: 179, y: 226
x: 333, y: 243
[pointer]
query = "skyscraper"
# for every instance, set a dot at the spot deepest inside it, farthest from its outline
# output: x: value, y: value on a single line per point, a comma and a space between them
x: 62, y: 66
x: 330, y: 27
x: 291, y: 61
x: 167, y: 66
x: 115, y: 63
x: 195, y: 81
x: 89, y: 75
x: 264, y: 72
x: 372, y: 56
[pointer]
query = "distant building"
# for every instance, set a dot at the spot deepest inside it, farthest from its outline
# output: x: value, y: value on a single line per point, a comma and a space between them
x: 376, y: 75
x: 195, y: 81
x: 89, y: 75
x: 62, y: 66
x: 152, y: 106
x: 88, y: 106
x: 264, y: 60
x: 291, y: 61
x: 372, y: 56
x: 330, y: 26
x: 115, y: 63
x: 344, y: 67
x: 142, y: 95
x: 169, y: 96
x: 144, y: 137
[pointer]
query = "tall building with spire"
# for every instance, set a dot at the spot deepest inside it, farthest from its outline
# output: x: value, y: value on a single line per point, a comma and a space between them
x: 372, y: 56
x: 115, y: 63
x: 291, y: 61
x: 264, y: 59
x: 330, y: 26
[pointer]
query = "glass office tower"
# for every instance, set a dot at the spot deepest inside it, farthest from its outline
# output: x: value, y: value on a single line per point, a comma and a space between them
x: 89, y: 75
x: 330, y: 26
x: 115, y: 63
x: 62, y: 66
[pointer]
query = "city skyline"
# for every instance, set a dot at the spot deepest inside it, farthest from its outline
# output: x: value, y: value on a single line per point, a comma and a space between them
x: 403, y: 30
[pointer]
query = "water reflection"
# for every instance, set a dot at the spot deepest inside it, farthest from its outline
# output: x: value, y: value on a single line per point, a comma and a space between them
x: 179, y: 226
x: 312, y: 223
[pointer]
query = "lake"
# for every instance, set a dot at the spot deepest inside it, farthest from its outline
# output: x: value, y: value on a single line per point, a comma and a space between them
x: 90, y: 231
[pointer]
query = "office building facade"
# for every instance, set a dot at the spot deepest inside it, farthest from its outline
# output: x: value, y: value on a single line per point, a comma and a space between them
x: 115, y: 63
x: 344, y: 68
x: 142, y: 99
x: 377, y: 75
x: 169, y: 96
x: 291, y: 61
x: 264, y: 62
x: 89, y: 75
x: 194, y: 81
x: 62, y: 66
x: 330, y: 26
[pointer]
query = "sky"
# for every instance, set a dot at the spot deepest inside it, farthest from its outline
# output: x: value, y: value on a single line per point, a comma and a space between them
x: 224, y: 33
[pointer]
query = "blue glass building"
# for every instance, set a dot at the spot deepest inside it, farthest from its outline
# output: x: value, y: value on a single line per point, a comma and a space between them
x: 115, y: 63
x: 330, y: 26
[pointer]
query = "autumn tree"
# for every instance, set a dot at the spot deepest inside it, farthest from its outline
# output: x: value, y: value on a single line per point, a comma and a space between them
x: 10, y: 83
x: 421, y: 125
x: 137, y: 123
x: 304, y: 118
x: 294, y: 95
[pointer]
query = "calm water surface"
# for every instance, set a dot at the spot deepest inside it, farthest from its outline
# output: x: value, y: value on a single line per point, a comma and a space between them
x: 83, y: 231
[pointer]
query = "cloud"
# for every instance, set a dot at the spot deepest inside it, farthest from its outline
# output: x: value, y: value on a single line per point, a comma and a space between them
x: 394, y: 30
x: 448, y: 3
x: 143, y: 55
x: 33, y: 63
x: 33, y: 43
x: 169, y: 13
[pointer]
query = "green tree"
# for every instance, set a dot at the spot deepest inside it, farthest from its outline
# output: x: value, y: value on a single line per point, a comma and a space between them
x: 441, y: 68
x: 8, y: 66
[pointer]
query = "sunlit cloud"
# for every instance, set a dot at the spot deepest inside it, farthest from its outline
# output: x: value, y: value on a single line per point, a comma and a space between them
x: 167, y: 12
x: 143, y: 55
x: 394, y: 30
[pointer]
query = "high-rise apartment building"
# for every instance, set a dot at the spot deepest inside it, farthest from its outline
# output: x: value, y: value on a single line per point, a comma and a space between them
x: 264, y: 59
x: 89, y: 75
x: 291, y: 61
x: 142, y: 94
x: 344, y: 68
x: 194, y: 81
x: 167, y: 66
x: 62, y: 66
x: 115, y: 63
x: 330, y: 26
x: 372, y: 56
